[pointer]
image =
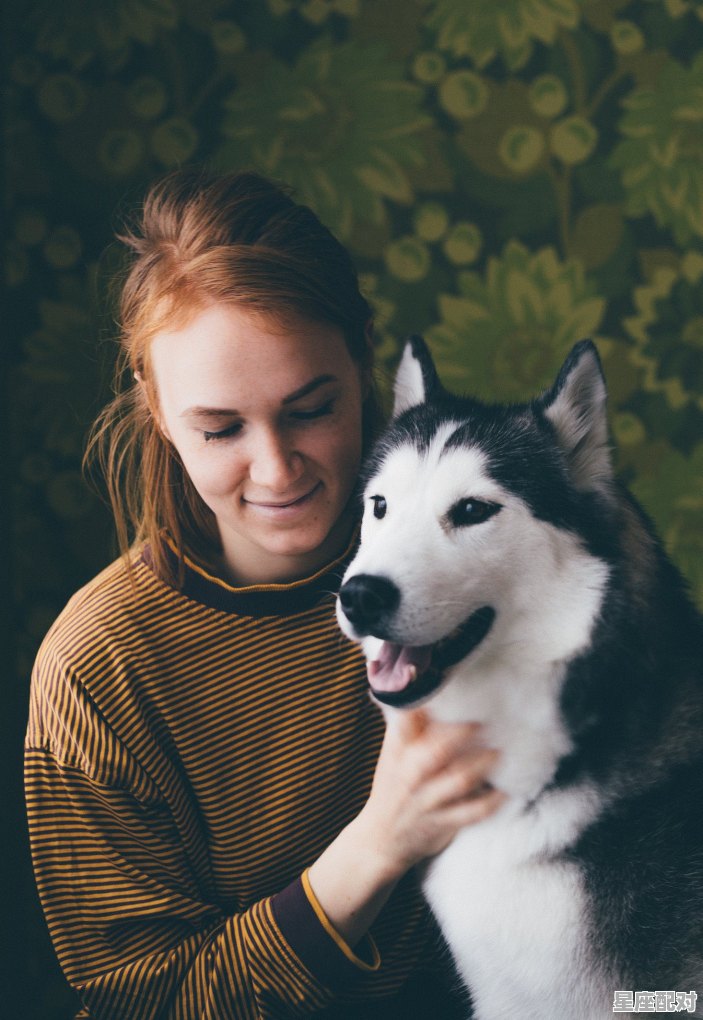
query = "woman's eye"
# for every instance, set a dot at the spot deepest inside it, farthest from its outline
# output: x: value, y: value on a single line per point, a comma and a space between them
x: 231, y: 430
x: 315, y: 412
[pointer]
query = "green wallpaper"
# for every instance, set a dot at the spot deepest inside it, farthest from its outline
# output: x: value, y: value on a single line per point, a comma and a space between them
x: 510, y: 176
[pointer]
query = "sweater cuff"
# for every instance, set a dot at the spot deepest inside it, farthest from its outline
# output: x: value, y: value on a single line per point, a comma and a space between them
x: 316, y: 942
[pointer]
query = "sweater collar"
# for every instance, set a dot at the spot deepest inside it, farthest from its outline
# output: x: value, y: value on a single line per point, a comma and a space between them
x: 287, y: 599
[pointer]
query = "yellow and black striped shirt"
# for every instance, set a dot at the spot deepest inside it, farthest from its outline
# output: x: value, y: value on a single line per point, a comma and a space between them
x: 189, y: 754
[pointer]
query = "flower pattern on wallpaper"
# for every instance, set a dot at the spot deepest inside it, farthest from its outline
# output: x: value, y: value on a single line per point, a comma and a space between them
x: 484, y: 28
x: 341, y: 126
x: 509, y: 177
x: 668, y: 332
x: 76, y: 30
x: 660, y: 156
x: 520, y: 320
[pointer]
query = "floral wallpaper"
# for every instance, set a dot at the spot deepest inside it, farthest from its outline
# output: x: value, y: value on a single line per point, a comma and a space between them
x: 509, y: 175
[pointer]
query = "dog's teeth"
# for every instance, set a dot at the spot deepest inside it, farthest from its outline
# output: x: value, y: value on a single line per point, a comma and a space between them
x: 413, y: 673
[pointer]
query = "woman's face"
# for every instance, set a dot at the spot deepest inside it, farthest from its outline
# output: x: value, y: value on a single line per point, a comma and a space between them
x: 267, y: 421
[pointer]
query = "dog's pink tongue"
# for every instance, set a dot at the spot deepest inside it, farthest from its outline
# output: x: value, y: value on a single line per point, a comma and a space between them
x: 397, y: 665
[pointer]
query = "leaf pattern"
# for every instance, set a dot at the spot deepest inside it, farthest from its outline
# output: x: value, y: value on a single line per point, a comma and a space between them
x: 660, y: 155
x: 506, y: 333
x: 484, y: 28
x: 341, y: 126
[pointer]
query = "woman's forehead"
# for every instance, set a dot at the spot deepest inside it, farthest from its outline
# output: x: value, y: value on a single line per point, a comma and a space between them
x: 225, y: 353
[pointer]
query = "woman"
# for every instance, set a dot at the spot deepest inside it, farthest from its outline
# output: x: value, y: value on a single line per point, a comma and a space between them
x: 215, y: 833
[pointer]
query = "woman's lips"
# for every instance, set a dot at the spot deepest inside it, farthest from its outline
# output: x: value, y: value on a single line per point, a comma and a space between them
x: 284, y: 509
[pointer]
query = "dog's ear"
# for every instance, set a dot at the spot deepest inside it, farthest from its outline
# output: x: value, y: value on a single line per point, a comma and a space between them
x: 575, y: 406
x: 416, y: 379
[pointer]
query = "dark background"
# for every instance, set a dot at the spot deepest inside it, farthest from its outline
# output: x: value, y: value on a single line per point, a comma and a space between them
x: 507, y: 183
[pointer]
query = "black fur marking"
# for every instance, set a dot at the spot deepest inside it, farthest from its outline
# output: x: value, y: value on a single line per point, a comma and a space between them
x: 518, y: 442
x: 643, y: 862
x: 617, y: 705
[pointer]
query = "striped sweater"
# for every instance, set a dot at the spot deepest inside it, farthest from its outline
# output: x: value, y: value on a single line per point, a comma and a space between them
x: 189, y: 754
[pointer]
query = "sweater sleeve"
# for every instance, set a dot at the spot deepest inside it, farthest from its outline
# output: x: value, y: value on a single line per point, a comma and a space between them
x: 134, y: 937
x: 121, y: 869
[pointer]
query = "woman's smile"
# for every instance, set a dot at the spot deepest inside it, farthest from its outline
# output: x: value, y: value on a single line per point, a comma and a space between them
x: 284, y: 507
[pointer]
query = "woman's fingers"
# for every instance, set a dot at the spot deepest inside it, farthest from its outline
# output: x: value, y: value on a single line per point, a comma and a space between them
x: 476, y: 809
x: 430, y: 745
x: 466, y: 778
x: 432, y: 778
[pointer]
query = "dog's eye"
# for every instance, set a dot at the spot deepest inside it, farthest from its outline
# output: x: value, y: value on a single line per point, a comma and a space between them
x: 379, y: 506
x: 472, y: 511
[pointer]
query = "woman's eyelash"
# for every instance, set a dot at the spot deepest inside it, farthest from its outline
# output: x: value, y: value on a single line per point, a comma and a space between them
x: 316, y: 412
x: 229, y: 431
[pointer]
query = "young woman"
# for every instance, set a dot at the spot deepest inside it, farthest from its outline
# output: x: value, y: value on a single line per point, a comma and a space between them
x: 219, y: 828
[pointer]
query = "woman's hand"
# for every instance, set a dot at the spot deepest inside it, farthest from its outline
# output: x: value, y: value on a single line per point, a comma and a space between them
x: 430, y: 781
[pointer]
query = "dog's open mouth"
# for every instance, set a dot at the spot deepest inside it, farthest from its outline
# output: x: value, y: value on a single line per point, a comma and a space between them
x: 403, y: 674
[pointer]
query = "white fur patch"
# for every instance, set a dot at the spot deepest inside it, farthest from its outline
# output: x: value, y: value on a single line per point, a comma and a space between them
x: 515, y: 920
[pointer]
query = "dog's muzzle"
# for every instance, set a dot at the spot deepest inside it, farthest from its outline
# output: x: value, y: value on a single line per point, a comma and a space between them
x: 402, y: 675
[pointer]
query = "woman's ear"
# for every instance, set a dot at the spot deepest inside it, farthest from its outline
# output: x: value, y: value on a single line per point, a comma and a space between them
x: 152, y: 403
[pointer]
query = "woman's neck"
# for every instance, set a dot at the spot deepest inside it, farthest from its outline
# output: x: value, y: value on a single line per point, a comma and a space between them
x: 244, y: 566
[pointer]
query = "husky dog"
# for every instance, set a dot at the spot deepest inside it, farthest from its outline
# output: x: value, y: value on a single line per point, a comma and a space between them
x: 504, y: 576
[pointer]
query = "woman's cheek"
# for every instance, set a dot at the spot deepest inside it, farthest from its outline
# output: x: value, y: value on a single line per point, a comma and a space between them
x: 349, y: 450
x: 212, y: 474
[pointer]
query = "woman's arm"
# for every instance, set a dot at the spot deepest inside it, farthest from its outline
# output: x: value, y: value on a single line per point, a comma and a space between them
x: 430, y: 781
x: 130, y: 926
x: 134, y: 932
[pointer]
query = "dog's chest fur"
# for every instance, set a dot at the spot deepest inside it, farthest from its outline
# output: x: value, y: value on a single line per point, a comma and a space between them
x: 515, y: 915
x: 510, y: 904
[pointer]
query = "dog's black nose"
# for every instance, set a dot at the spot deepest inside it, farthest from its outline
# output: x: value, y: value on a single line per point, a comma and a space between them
x: 367, y: 599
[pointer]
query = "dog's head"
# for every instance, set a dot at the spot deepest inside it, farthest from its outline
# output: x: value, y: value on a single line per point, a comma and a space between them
x: 474, y: 516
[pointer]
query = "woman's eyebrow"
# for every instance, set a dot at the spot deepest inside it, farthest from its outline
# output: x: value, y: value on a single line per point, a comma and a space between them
x: 218, y: 412
x: 207, y: 412
x: 319, y: 380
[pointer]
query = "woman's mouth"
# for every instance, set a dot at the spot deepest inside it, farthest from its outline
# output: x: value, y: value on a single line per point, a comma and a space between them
x: 284, y: 507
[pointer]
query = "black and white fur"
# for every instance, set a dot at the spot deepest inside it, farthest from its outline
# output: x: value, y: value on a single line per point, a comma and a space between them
x: 585, y: 668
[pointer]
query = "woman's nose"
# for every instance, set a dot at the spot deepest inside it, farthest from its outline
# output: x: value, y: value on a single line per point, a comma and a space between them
x: 274, y: 464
